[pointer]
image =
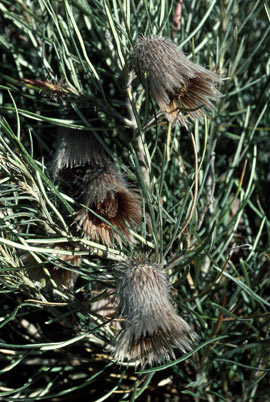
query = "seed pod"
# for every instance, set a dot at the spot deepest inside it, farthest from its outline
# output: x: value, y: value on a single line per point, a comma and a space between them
x: 182, y: 89
x: 151, y: 325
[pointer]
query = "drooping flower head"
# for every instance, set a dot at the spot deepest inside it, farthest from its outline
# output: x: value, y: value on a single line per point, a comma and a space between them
x: 106, y: 193
x: 183, y: 90
x: 97, y: 183
x: 76, y: 148
x: 151, y: 325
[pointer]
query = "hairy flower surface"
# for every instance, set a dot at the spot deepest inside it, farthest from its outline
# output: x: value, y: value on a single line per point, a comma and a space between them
x: 183, y: 89
x: 151, y: 323
x: 96, y: 183
x: 77, y: 148
x: 107, y: 194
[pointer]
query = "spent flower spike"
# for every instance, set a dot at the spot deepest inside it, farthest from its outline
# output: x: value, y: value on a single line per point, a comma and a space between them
x: 96, y: 182
x: 151, y: 325
x: 183, y: 90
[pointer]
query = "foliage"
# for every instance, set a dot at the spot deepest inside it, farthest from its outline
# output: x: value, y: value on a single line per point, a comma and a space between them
x: 205, y: 210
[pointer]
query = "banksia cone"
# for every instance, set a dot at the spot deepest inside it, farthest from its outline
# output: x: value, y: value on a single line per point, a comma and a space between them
x: 96, y: 183
x: 182, y: 88
x: 151, y: 324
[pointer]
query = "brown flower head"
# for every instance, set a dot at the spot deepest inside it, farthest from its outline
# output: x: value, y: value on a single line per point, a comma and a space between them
x: 151, y: 323
x: 182, y: 88
x: 96, y: 183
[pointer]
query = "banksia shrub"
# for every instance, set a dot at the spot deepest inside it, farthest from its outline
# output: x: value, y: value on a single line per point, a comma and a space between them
x: 201, y: 211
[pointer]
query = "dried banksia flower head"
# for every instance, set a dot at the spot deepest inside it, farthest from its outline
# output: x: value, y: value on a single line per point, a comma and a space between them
x: 151, y: 325
x: 75, y: 149
x: 96, y: 183
x: 183, y: 89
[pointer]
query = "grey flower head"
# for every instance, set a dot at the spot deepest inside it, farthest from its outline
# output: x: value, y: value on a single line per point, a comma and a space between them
x: 76, y: 148
x: 183, y: 89
x: 95, y: 182
x: 151, y: 324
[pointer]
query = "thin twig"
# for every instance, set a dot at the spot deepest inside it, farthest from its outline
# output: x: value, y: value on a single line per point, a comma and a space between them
x: 177, y: 17
x: 137, y: 139
x: 168, y: 141
x: 195, y: 185
x: 210, y: 191
x: 132, y: 118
